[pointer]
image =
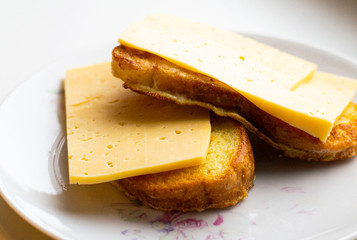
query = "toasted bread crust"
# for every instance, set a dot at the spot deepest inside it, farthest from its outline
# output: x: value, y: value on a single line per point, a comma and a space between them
x: 195, y: 188
x: 152, y: 75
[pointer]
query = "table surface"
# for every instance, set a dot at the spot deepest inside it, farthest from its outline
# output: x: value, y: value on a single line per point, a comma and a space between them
x: 36, y: 33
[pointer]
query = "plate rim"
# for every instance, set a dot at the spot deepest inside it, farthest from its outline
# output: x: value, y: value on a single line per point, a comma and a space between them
x: 55, y: 233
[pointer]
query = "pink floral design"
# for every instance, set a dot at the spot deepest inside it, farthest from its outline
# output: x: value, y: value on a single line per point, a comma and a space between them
x: 292, y: 189
x: 218, y: 221
x: 175, y: 225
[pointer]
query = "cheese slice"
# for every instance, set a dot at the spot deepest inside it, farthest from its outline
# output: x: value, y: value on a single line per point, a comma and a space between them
x: 276, y: 82
x: 177, y: 39
x: 331, y: 92
x: 114, y: 133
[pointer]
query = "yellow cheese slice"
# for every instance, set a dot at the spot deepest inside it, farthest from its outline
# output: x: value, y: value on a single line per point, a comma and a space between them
x: 330, y: 92
x: 276, y: 82
x: 114, y: 133
x: 177, y: 39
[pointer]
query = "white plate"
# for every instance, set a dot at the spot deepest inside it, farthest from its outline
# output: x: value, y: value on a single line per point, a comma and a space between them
x: 291, y: 199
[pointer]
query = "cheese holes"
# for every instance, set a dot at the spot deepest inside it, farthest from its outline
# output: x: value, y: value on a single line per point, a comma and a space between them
x: 178, y: 132
x: 87, y: 139
x: 110, y: 164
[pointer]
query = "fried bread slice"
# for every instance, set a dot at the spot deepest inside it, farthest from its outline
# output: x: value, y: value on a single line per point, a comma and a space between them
x: 152, y: 75
x: 222, y: 180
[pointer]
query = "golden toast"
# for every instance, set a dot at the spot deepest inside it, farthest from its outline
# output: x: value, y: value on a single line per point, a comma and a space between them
x: 152, y: 75
x: 222, y: 180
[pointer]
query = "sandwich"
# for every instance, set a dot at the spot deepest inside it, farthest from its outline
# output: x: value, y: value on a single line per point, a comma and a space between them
x: 305, y: 114
x: 222, y: 180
